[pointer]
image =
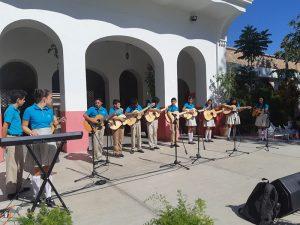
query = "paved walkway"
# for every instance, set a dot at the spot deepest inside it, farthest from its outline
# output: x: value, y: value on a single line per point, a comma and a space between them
x: 224, y: 184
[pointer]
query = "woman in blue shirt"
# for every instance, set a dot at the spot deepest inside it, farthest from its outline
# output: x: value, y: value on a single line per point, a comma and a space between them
x: 191, y: 123
x: 262, y: 121
x: 37, y: 120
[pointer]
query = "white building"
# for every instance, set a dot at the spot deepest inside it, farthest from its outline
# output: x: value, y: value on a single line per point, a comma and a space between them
x: 104, y: 49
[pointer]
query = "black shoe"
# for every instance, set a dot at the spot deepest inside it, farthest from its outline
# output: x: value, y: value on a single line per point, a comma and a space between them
x: 205, y: 140
x: 131, y: 151
x: 50, y: 203
x: 210, y: 140
x: 140, y: 151
x: 152, y: 149
x: 191, y: 142
x: 177, y: 145
x: 228, y: 139
x: 121, y: 155
x: 172, y: 146
x: 156, y: 147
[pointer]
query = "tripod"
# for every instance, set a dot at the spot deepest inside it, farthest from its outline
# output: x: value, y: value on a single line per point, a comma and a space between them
x: 198, y: 155
x: 176, y: 162
x: 107, y: 161
x: 234, y: 150
x: 94, y: 172
x: 267, y: 147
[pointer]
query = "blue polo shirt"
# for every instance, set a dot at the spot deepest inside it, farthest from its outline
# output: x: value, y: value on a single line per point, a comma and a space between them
x: 94, y: 111
x: 130, y: 109
x: 12, y: 116
x: 262, y: 106
x: 173, y: 108
x: 37, y: 117
x: 189, y: 106
x: 118, y: 112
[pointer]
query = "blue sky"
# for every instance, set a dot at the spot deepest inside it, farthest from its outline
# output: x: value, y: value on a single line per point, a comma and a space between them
x: 267, y: 14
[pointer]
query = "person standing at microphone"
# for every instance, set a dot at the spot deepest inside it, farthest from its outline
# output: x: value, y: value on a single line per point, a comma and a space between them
x: 98, y: 135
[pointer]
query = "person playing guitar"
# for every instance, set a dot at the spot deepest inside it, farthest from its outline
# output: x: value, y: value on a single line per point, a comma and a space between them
x: 136, y: 136
x: 261, y: 111
x: 232, y: 111
x: 190, y: 123
x: 173, y: 108
x: 95, y: 116
x: 209, y: 124
x: 153, y: 126
x: 118, y: 134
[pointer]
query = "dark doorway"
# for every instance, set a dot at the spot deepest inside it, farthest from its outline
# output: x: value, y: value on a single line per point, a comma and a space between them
x: 17, y: 75
x: 183, y: 92
x: 94, y: 82
x: 128, y: 88
x: 95, y: 86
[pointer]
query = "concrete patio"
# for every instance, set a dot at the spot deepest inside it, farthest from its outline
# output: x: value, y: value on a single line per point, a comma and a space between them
x: 224, y: 184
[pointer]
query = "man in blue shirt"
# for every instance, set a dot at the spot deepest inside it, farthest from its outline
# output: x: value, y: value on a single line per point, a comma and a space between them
x: 12, y: 127
x: 136, y: 133
x: 118, y: 135
x: 262, y: 121
x: 153, y: 126
x: 90, y: 116
x: 174, y: 135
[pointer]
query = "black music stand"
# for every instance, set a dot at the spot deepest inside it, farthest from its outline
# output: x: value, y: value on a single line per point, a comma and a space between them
x: 267, y: 146
x: 198, y: 155
x: 45, y: 176
x: 94, y: 172
x: 176, y: 162
x: 234, y: 150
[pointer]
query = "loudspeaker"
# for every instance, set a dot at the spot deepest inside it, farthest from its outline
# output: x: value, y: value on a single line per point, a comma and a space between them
x: 288, y: 189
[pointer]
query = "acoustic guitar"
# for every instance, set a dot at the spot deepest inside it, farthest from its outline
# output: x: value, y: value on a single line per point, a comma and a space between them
x: 171, y: 116
x: 153, y: 114
x: 115, y: 122
x: 210, y: 114
x: 93, y: 127
x: 190, y: 113
x: 257, y: 112
x: 228, y: 109
x: 136, y: 115
x: 53, y: 127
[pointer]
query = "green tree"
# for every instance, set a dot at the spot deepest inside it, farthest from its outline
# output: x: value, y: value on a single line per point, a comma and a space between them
x: 290, y: 45
x: 252, y: 43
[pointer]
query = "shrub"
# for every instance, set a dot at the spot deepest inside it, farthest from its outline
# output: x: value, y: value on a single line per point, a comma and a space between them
x: 181, y: 214
x: 45, y: 216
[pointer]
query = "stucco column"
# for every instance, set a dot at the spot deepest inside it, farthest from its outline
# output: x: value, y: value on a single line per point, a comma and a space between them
x: 73, y: 94
x: 166, y: 88
x: 113, y: 87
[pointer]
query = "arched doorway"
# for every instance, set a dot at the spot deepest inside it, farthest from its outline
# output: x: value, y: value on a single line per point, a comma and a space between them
x: 191, y: 68
x: 95, y: 86
x: 183, y: 92
x: 17, y: 76
x: 128, y: 88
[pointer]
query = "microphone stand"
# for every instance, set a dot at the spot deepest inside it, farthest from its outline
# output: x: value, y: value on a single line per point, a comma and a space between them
x: 176, y: 162
x: 198, y: 155
x: 107, y: 161
x: 94, y: 172
x: 234, y: 150
x: 267, y: 146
